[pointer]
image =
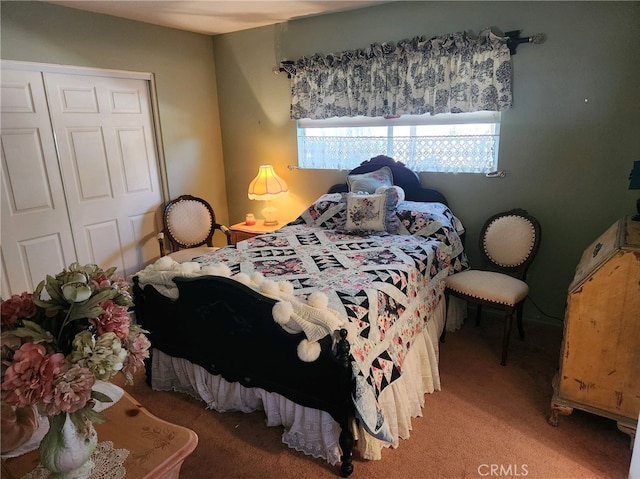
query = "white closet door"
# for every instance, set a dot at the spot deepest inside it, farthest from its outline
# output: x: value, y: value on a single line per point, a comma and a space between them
x: 36, y: 235
x: 104, y: 129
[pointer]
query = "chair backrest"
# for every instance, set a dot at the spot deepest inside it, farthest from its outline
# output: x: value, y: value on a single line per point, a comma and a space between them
x: 189, y: 222
x: 509, y: 241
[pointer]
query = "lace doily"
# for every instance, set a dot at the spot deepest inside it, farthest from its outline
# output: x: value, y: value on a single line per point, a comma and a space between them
x: 109, y: 464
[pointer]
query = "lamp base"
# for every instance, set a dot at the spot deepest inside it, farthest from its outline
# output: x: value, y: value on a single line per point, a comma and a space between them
x: 270, y: 215
x: 637, y: 217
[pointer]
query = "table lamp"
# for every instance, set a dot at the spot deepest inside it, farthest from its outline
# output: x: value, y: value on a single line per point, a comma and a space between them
x: 267, y: 186
x: 634, y: 184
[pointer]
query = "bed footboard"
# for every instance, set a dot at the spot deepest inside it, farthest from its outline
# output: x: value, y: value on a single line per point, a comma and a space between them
x: 228, y: 329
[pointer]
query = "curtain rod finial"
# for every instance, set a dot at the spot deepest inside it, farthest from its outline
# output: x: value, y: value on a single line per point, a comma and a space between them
x: 538, y: 38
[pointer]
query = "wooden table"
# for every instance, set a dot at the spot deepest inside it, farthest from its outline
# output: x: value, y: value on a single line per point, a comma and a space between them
x: 156, y: 448
x: 242, y: 231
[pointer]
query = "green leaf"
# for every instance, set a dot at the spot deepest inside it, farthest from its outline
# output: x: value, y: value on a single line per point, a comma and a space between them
x: 91, y: 307
x: 108, y: 273
x: 128, y: 378
x: 54, y: 290
x: 122, y: 300
x: 34, y: 331
x: 57, y: 300
x: 97, y: 395
x: 95, y: 417
x: 36, y: 295
x: 80, y: 311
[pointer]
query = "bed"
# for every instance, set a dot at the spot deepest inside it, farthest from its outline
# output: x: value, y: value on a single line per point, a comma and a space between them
x: 331, y: 324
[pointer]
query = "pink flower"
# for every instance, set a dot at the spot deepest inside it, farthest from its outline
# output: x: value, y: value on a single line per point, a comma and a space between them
x: 71, y: 391
x: 115, y: 319
x: 101, y: 282
x: 138, y: 346
x: 18, y: 306
x: 30, y: 376
x: 120, y: 282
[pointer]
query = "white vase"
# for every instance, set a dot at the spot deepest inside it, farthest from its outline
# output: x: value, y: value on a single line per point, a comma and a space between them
x: 65, y: 451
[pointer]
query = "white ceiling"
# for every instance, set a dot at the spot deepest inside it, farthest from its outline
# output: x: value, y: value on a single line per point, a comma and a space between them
x: 213, y: 17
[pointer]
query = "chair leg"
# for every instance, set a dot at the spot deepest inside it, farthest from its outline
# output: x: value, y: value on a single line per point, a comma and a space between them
x: 520, y: 309
x: 478, y: 313
x: 507, y: 333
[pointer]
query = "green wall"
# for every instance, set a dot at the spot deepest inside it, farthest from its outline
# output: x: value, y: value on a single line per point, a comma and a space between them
x: 184, y: 70
x: 567, y: 146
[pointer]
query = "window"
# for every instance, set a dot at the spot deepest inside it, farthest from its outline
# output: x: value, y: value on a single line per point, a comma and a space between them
x: 452, y: 142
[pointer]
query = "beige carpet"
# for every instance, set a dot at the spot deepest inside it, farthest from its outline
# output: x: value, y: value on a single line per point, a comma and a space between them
x: 488, y: 421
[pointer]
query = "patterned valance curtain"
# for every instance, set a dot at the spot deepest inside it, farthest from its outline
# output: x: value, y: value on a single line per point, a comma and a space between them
x: 452, y: 73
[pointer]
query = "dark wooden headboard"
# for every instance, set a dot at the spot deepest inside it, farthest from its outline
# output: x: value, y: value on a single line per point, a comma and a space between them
x: 403, y: 177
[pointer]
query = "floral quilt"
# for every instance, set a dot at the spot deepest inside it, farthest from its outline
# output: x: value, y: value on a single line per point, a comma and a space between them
x: 386, y: 284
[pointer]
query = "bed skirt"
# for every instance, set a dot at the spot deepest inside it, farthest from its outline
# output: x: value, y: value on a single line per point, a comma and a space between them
x: 309, y: 430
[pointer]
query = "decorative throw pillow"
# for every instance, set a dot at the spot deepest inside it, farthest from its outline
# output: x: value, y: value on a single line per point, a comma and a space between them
x: 398, y: 189
x: 369, y: 182
x: 371, y: 213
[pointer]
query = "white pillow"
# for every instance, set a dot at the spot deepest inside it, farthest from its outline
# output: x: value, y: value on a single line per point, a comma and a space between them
x: 369, y: 182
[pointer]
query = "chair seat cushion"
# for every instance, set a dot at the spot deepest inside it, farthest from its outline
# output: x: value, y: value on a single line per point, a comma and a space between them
x: 183, y: 255
x: 487, y: 285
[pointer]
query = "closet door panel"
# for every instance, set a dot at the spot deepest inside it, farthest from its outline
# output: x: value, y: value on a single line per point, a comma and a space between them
x: 36, y: 237
x: 109, y: 165
x: 22, y: 149
x: 100, y: 238
x: 133, y: 150
x: 88, y: 158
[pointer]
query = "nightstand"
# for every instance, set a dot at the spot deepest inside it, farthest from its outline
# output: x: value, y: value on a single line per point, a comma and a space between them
x: 241, y: 231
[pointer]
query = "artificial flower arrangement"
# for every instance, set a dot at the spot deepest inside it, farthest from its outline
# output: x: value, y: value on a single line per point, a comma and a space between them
x: 73, y: 330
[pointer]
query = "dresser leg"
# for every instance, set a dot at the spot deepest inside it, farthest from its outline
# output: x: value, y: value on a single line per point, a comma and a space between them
x: 630, y: 430
x: 556, y: 410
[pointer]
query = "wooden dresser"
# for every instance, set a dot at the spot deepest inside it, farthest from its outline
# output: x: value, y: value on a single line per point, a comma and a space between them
x: 600, y: 357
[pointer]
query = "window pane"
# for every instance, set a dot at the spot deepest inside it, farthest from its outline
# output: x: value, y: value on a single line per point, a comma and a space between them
x: 454, y: 143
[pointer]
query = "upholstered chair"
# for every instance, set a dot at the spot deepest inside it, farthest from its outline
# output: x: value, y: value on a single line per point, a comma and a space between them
x: 509, y: 242
x: 189, y: 224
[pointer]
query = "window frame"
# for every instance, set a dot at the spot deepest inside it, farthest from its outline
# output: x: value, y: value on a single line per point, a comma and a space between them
x: 492, y: 118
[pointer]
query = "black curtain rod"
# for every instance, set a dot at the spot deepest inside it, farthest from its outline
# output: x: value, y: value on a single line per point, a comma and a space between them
x: 514, y: 39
